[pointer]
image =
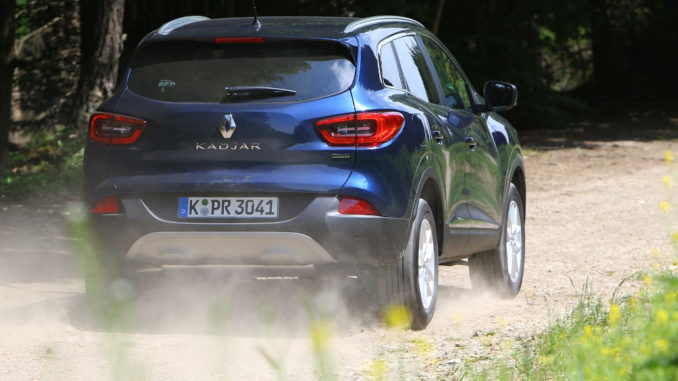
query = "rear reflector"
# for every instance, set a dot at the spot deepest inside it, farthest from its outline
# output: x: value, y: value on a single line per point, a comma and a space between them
x: 114, y: 129
x: 239, y: 40
x: 104, y: 205
x: 364, y: 129
x: 352, y: 205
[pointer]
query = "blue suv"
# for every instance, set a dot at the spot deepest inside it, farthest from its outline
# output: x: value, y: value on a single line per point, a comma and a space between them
x: 355, y: 145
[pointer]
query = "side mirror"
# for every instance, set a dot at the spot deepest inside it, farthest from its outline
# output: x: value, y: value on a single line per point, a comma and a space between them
x: 500, y: 96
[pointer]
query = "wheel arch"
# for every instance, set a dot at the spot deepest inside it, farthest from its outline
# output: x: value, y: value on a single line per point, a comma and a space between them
x: 517, y: 177
x: 429, y: 189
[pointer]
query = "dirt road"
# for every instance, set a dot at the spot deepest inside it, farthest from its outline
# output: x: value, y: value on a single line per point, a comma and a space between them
x: 592, y: 213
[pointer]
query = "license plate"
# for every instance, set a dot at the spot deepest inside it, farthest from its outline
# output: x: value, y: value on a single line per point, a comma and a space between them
x: 228, y: 207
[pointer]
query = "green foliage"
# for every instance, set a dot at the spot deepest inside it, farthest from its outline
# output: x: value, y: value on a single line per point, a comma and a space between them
x: 50, y: 164
x: 634, y: 339
x: 21, y: 28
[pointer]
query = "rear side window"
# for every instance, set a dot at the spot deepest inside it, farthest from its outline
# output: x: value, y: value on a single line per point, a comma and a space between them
x: 413, y: 63
x: 191, y: 71
x: 389, y: 67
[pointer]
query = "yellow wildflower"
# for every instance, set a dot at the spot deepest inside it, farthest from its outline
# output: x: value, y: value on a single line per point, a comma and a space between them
x: 632, y: 303
x: 423, y: 347
x: 675, y: 237
x: 587, y: 336
x: 546, y: 360
x: 508, y: 344
x: 662, y: 316
x: 606, y: 351
x: 666, y: 180
x: 457, y: 317
x: 588, y: 331
x: 644, y: 349
x: 397, y: 317
x: 668, y: 157
x: 588, y: 373
x: 661, y: 344
x: 501, y: 322
x: 647, y: 280
x: 624, y: 371
x: 321, y: 332
x: 665, y: 207
x: 378, y: 369
x: 615, y: 314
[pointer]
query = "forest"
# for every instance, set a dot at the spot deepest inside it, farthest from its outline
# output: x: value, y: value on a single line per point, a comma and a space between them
x: 60, y: 58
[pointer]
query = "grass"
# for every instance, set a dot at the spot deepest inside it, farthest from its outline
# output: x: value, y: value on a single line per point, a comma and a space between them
x: 50, y: 164
x: 631, y: 338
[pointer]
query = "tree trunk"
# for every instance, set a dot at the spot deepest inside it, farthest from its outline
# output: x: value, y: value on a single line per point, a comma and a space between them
x: 102, y: 43
x: 6, y: 76
x: 439, y: 15
x: 603, y: 68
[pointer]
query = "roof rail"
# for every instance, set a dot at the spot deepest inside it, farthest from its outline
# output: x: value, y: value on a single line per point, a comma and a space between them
x: 378, y: 20
x: 168, y: 27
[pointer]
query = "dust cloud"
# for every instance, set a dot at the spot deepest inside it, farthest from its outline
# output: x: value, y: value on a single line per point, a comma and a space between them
x: 181, y: 323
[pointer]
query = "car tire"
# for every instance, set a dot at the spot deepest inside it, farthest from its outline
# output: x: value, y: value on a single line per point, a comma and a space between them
x: 501, y: 270
x: 400, y: 284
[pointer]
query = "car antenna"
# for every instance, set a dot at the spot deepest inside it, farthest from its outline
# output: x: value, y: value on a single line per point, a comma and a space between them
x: 255, y: 23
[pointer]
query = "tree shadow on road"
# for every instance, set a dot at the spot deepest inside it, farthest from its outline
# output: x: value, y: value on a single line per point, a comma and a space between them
x: 642, y: 123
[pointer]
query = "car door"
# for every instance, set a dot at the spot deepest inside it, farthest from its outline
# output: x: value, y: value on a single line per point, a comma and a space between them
x: 482, y: 181
x: 446, y: 143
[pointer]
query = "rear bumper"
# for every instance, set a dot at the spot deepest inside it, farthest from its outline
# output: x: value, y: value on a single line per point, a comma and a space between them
x: 317, y: 235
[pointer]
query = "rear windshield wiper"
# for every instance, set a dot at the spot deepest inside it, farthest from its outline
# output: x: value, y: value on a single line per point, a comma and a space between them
x: 256, y: 92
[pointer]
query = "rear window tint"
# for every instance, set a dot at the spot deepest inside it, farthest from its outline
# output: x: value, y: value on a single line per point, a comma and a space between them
x: 389, y: 67
x: 191, y: 71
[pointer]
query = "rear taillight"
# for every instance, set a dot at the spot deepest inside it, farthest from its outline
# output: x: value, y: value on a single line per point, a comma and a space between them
x: 105, y: 205
x: 352, y: 205
x: 114, y: 129
x: 364, y: 129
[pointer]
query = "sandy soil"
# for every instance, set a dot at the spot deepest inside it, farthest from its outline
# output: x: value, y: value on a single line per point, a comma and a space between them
x: 592, y: 214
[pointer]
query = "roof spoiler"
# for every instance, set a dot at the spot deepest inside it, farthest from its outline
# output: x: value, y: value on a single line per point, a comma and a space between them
x: 168, y: 27
x: 379, y: 20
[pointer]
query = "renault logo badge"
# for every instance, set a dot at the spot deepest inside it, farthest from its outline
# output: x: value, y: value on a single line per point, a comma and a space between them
x: 227, y: 126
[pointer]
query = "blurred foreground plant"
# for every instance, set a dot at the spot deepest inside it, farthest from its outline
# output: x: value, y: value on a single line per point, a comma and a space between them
x: 105, y: 310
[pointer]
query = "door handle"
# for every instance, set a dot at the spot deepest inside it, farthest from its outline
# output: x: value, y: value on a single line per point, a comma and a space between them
x: 437, y: 135
x: 471, y: 142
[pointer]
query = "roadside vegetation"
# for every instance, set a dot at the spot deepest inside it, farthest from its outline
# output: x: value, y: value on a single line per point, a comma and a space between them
x: 48, y: 164
x: 634, y: 337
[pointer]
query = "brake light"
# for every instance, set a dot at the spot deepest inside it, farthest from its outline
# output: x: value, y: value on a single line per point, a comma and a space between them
x: 352, y: 205
x: 108, y: 204
x: 239, y: 40
x: 114, y: 129
x: 364, y: 129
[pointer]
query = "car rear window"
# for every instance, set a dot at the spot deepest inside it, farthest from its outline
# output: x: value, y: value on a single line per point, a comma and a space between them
x: 192, y: 71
